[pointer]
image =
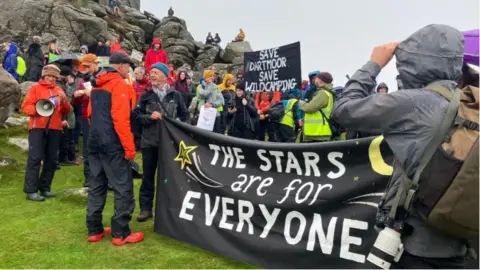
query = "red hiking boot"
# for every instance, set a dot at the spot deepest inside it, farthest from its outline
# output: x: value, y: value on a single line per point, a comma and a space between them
x: 95, y: 238
x: 132, y: 238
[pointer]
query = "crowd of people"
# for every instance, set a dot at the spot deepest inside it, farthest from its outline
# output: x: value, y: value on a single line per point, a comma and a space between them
x: 120, y: 115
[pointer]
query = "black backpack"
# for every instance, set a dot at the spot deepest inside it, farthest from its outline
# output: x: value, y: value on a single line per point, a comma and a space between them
x: 276, y: 112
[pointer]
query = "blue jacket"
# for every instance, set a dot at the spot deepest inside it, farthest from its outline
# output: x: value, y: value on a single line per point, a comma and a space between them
x: 10, y: 64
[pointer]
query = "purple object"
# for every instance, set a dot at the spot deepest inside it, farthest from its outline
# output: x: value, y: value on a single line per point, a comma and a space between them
x: 471, y: 47
x: 55, y: 100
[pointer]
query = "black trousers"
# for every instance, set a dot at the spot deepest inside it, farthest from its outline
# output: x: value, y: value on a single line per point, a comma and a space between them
x: 409, y: 261
x: 86, y: 164
x: 110, y: 168
x: 77, y: 110
x: 67, y: 146
x: 147, y: 189
x: 217, y: 127
x: 42, y: 146
x: 264, y: 125
x: 283, y: 133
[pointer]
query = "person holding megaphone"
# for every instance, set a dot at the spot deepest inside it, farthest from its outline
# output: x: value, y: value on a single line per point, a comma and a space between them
x: 46, y: 104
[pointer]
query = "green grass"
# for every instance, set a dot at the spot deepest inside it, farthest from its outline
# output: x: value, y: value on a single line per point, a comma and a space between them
x: 52, y: 234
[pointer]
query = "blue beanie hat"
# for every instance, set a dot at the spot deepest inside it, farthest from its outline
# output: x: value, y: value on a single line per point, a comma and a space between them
x: 162, y: 67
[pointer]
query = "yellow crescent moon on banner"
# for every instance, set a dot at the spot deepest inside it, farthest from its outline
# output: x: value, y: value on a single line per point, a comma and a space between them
x: 375, y: 155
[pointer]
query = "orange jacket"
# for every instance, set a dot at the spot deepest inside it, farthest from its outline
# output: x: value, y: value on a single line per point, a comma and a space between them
x: 44, y: 90
x: 111, y: 90
x: 263, y: 102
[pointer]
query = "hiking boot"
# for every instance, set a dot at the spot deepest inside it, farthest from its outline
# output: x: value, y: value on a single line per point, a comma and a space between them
x: 144, y: 216
x: 35, y: 197
x: 68, y: 163
x: 48, y: 194
x: 132, y: 238
x: 95, y: 238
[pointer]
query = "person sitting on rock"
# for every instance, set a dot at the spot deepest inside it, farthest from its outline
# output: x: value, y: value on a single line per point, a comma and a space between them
x: 240, y: 36
x: 210, y: 39
x: 156, y: 54
x: 101, y: 49
x: 217, y: 39
x: 113, y: 4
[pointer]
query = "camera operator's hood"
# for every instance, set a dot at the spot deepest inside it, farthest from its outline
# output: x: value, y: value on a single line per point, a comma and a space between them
x: 433, y: 53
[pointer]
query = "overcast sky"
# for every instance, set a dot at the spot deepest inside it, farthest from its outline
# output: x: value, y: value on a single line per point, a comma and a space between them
x: 335, y: 35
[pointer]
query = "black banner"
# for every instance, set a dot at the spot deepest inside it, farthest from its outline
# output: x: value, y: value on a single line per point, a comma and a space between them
x: 271, y: 204
x: 273, y: 69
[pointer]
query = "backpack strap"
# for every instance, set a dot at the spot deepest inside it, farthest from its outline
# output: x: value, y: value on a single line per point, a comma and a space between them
x: 408, y: 187
x: 443, y: 91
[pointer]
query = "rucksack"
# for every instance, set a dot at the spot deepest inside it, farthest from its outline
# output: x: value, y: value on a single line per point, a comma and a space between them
x: 335, y: 127
x: 21, y: 66
x: 444, y: 188
x: 276, y: 111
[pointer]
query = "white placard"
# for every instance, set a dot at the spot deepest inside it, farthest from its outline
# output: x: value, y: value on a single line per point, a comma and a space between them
x: 136, y: 55
x: 206, y: 118
x: 87, y: 86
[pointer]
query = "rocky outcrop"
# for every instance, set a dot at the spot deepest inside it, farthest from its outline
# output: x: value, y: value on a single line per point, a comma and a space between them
x: 72, y: 23
x: 10, y: 95
x: 208, y: 55
x: 25, y: 86
x: 70, y: 26
x: 235, y: 50
x: 177, y: 41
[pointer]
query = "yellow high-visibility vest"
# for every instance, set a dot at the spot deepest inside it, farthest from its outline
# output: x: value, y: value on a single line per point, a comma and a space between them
x: 315, y: 125
x: 288, y: 117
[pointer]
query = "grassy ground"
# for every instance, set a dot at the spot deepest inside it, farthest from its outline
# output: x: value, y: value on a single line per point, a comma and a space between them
x: 52, y: 234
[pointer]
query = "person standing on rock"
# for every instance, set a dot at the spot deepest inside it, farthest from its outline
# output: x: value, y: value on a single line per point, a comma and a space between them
x: 11, y: 63
x: 156, y: 54
x: 111, y: 149
x: 35, y: 60
x: 44, y: 134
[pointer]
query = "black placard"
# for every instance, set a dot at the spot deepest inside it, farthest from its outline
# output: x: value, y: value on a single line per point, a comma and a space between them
x: 273, y: 69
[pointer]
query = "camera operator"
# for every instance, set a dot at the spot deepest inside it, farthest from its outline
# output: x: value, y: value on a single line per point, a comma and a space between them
x: 408, y: 119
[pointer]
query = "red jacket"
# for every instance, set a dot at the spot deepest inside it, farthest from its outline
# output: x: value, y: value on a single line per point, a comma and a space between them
x: 263, y: 100
x: 82, y: 100
x: 44, y: 90
x: 153, y: 57
x: 110, y: 125
x: 140, y: 86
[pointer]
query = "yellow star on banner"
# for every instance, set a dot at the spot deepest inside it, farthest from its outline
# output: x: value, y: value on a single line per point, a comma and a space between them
x: 183, y: 154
